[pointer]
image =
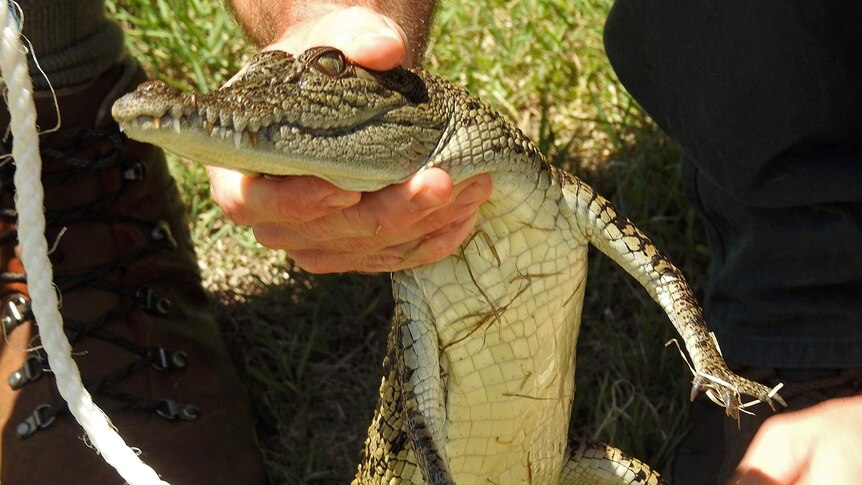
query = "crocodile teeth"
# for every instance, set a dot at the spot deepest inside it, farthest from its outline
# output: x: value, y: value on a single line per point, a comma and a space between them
x: 226, y: 119
x: 239, y: 122
x: 209, y: 127
x: 252, y: 138
x: 211, y: 114
x: 157, y: 121
x: 237, y: 139
x: 176, y: 123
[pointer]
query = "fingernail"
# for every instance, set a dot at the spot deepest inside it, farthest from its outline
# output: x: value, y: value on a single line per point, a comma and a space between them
x: 373, y: 40
x: 338, y: 200
x: 382, y: 35
x: 471, y: 195
x: 379, y: 50
x: 426, y: 199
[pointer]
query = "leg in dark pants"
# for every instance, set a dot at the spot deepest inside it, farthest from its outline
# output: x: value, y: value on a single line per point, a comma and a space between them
x: 764, y: 100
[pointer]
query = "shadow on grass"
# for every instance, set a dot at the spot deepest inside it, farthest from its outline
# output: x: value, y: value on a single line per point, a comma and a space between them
x: 310, y: 353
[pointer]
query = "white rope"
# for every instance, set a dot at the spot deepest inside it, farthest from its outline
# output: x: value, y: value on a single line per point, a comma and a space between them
x: 31, y: 235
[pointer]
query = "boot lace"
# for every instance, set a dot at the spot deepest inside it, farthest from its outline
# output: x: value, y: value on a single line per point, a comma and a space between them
x: 68, y: 155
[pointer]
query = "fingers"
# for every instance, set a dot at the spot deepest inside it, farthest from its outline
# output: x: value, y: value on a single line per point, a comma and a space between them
x: 819, y: 444
x: 771, y: 459
x: 388, y: 217
x: 255, y: 200
x: 406, y: 225
x: 414, y: 253
x: 326, y: 229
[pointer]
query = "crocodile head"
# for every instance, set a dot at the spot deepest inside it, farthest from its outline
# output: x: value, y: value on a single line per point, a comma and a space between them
x: 315, y: 114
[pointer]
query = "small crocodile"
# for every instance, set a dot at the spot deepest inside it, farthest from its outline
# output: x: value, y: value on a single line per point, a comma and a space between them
x: 479, y: 377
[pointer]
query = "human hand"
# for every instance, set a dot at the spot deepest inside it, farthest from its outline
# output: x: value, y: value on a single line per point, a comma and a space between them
x: 326, y: 229
x: 817, y: 445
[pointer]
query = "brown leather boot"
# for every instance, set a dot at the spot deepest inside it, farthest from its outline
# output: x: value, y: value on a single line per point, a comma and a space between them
x: 715, y: 444
x: 149, y: 350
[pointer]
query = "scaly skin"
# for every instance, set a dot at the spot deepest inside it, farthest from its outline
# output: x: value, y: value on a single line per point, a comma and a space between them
x: 480, y: 371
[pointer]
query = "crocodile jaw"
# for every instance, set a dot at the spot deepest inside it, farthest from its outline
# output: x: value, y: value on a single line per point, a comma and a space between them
x: 251, y: 152
x: 361, y: 130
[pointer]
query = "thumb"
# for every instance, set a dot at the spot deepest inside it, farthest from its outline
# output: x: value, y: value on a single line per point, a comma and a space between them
x: 366, y: 37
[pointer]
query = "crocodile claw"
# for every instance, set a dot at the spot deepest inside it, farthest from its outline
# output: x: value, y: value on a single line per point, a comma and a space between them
x: 725, y: 388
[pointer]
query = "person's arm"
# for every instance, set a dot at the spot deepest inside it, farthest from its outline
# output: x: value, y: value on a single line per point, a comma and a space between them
x: 323, y: 228
x: 820, y: 444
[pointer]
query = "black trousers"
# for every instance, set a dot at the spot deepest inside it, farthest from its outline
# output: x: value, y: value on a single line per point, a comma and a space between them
x: 765, y: 99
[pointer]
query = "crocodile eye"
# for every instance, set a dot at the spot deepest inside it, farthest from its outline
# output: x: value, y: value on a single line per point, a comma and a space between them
x: 332, y: 63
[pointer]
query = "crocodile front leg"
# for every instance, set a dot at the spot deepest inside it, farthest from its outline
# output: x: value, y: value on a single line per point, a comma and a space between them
x: 405, y: 440
x: 614, y: 235
x: 417, y: 364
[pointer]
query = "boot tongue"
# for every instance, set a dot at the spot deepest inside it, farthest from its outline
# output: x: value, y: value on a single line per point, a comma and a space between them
x: 84, y: 111
x: 79, y: 106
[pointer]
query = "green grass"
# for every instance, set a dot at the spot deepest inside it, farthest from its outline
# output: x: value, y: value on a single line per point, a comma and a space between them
x: 310, y: 347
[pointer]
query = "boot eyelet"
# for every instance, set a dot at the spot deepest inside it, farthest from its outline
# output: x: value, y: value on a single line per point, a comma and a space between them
x: 152, y: 302
x: 136, y: 172
x: 43, y: 416
x: 171, y: 410
x: 31, y: 371
x: 161, y: 235
x: 14, y: 312
x: 162, y: 306
x: 164, y: 359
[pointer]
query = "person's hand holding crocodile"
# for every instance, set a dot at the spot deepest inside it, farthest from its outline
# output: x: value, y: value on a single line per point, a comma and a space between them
x: 326, y: 229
